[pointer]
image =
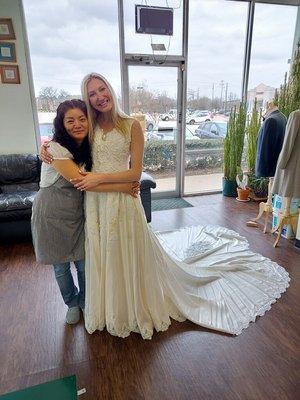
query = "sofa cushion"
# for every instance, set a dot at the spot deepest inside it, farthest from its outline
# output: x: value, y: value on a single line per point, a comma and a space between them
x: 20, y: 187
x: 16, y: 206
x: 15, y: 216
x: 16, y: 201
x: 15, y: 168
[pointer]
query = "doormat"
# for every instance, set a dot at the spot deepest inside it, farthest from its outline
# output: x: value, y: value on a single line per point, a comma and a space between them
x: 169, y: 204
x: 60, y: 389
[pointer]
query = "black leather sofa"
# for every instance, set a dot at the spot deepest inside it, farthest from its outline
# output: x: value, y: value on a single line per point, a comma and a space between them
x: 147, y: 183
x: 19, y: 183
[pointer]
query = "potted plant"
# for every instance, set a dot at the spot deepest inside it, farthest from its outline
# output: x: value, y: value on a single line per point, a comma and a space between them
x: 258, y: 187
x: 242, y: 189
x: 233, y: 149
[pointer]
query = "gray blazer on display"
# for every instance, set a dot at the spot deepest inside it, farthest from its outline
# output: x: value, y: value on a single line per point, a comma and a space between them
x: 269, y: 144
x: 287, y: 176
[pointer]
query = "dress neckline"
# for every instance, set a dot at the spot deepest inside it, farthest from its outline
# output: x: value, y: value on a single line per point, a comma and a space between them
x: 104, y: 134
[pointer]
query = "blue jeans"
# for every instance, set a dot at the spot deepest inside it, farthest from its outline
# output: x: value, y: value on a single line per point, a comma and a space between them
x: 65, y: 281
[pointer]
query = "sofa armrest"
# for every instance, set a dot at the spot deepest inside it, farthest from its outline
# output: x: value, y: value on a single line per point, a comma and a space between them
x: 147, y: 181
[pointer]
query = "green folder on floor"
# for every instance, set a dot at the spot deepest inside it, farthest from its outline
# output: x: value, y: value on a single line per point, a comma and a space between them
x: 60, y: 389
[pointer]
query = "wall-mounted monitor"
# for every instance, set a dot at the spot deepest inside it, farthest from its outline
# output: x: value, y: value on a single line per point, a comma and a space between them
x: 154, y: 20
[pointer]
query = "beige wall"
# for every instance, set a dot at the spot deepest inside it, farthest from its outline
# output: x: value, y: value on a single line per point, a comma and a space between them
x: 17, y: 107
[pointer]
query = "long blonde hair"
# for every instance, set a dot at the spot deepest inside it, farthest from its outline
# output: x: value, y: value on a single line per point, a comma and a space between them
x: 119, y: 118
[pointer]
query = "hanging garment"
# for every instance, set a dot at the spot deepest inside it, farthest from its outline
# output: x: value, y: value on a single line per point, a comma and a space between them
x: 287, y: 176
x: 269, y: 144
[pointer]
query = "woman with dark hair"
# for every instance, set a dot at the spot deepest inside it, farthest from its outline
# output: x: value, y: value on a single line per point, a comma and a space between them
x: 58, y: 215
x: 81, y: 152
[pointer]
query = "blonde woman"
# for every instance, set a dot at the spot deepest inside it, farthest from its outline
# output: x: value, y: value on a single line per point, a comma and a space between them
x: 135, y: 279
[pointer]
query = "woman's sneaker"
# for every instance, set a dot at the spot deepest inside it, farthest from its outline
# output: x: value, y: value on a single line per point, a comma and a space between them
x: 73, y: 315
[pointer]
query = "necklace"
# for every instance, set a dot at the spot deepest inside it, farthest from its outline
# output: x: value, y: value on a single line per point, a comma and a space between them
x: 103, y: 135
x: 109, y: 128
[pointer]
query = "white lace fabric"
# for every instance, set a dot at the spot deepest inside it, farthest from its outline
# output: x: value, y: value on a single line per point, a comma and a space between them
x: 137, y: 280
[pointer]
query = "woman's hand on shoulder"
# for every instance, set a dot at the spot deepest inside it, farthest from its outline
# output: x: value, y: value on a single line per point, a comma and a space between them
x: 45, y: 156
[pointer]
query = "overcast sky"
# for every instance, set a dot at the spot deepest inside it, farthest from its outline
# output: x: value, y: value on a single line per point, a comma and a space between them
x: 70, y: 38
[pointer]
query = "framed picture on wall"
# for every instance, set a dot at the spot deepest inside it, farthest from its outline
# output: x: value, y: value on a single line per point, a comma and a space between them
x: 10, y: 74
x: 7, y: 52
x: 6, y: 29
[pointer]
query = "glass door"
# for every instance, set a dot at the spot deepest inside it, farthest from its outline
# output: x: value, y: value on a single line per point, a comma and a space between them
x: 154, y: 100
x: 153, y: 75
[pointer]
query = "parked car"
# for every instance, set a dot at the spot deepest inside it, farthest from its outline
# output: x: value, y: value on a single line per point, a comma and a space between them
x: 46, y: 125
x: 148, y: 119
x: 171, y: 115
x: 197, y: 117
x: 189, y: 135
x: 46, y: 132
x: 46, y: 129
x: 170, y: 134
x: 212, y: 130
x: 151, y: 135
x: 150, y: 123
x: 167, y: 133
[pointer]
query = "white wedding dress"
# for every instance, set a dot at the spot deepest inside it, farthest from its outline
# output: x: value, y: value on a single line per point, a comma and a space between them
x: 136, y: 279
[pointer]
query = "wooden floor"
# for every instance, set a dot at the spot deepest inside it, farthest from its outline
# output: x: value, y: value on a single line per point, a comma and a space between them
x: 186, y: 362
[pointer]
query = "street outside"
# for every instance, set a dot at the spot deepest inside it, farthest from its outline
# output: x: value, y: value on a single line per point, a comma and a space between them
x: 195, y: 181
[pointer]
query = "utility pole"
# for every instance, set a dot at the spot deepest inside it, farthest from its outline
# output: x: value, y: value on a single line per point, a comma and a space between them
x: 212, y: 94
x: 191, y: 93
x: 222, y: 86
x: 226, y: 89
x: 139, y: 97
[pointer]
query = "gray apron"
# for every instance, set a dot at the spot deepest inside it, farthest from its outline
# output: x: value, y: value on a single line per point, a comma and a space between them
x: 57, y: 223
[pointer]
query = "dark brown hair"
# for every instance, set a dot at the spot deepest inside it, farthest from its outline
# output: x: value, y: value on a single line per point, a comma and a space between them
x: 82, y: 153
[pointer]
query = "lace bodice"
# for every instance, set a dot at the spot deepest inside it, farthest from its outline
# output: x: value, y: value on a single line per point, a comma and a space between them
x: 111, y: 153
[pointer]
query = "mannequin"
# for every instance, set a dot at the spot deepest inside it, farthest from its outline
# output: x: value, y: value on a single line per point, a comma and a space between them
x: 287, y: 176
x: 269, y: 141
x: 269, y: 144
